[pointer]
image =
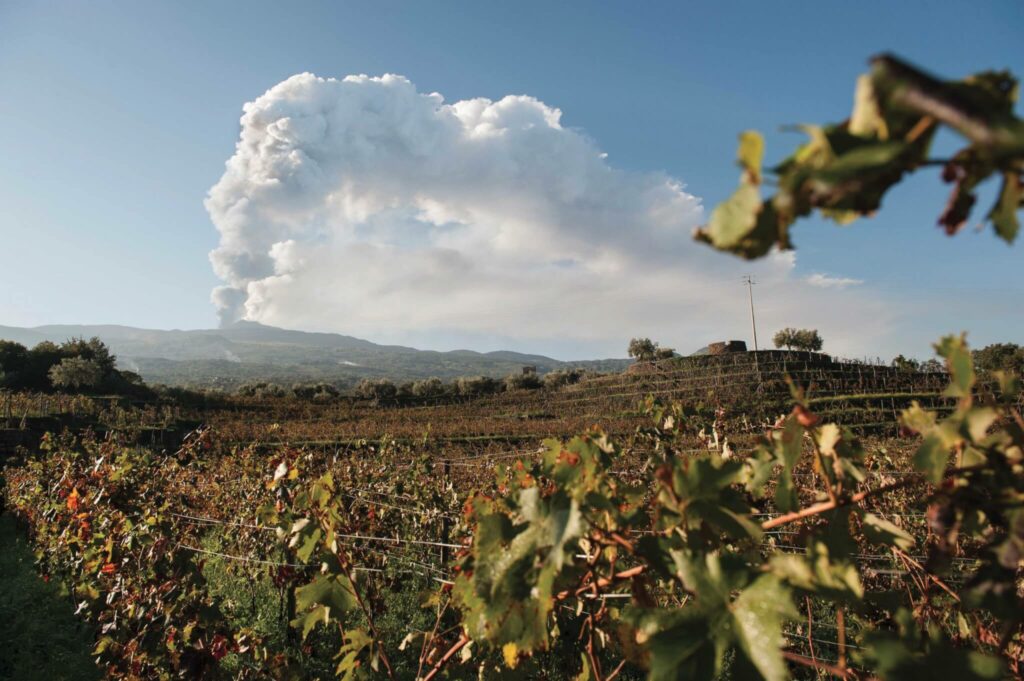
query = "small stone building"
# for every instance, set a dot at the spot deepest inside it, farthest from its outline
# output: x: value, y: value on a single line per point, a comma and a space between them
x: 722, y: 347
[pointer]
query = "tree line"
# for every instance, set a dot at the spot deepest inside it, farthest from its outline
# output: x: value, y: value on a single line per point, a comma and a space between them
x: 75, y: 366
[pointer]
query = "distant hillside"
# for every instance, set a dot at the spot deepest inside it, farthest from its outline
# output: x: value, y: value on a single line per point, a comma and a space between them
x: 249, y: 351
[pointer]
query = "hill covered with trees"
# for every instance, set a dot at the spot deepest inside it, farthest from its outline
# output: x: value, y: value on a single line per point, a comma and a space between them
x: 247, y: 351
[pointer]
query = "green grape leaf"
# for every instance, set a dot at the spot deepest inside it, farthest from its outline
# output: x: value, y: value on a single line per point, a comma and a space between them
x: 960, y: 364
x: 759, y: 612
x: 321, y: 614
x: 787, y: 446
x: 846, y: 169
x: 679, y: 643
x: 334, y: 591
x: 818, y: 572
x: 308, y: 543
x: 880, y: 531
x: 356, y: 641
x: 516, y: 563
x: 931, y: 458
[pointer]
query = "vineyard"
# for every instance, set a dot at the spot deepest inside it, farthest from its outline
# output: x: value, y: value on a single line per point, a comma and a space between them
x: 752, y: 388
x: 287, y: 539
x: 755, y: 515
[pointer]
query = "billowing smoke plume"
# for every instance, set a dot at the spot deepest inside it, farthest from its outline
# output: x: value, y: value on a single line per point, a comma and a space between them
x: 363, y: 206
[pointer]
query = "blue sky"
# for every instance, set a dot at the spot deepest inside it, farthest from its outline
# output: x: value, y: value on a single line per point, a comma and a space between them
x: 116, y: 119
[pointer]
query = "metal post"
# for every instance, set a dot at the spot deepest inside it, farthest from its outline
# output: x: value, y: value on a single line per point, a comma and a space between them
x: 753, y: 325
x: 446, y: 523
x: 750, y: 292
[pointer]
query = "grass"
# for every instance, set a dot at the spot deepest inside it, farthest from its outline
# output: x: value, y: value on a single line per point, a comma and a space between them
x: 40, y: 637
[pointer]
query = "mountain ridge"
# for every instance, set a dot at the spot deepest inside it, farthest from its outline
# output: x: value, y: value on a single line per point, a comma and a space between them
x: 247, y: 351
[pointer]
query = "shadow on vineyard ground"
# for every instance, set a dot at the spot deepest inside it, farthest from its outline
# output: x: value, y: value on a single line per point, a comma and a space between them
x: 40, y: 638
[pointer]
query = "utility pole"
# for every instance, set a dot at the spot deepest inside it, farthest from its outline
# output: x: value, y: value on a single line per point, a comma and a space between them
x: 750, y: 292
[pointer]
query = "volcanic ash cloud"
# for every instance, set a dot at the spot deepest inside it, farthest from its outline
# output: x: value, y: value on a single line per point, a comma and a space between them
x: 364, y: 206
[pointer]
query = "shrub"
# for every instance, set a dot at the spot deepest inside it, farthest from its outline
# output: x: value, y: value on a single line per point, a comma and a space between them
x: 469, y: 386
x: 556, y: 379
x: 521, y: 381
x: 380, y: 390
x: 901, y: 363
x: 260, y: 389
x: 318, y: 392
x: 428, y: 387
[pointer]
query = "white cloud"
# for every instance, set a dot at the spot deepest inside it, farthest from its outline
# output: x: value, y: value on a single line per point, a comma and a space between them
x: 366, y: 207
x: 825, y: 281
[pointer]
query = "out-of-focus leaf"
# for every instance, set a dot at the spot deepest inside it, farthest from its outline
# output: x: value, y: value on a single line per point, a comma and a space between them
x: 866, y: 119
x: 1004, y: 213
x: 881, y: 531
x: 960, y: 364
x: 893, y: 660
x: 734, y: 220
x: 751, y: 154
x: 931, y: 458
x: 787, y: 445
x: 585, y: 672
x: 977, y: 422
x: 510, y: 652
x: 680, y: 643
x: 847, y: 168
x: 819, y: 572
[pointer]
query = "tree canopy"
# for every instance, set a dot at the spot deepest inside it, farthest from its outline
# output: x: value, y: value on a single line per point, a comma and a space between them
x: 798, y: 339
x: 646, y: 350
x: 1000, y: 357
x: 75, y: 365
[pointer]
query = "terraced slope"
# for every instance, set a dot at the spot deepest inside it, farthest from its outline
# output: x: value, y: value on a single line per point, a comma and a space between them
x: 746, y: 390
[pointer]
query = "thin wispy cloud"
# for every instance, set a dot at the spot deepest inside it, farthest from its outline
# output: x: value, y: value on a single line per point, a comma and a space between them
x: 825, y: 281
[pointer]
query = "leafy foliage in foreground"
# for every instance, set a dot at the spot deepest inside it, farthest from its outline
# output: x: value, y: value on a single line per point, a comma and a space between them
x: 845, y: 169
x: 687, y: 547
x: 676, y: 569
x: 101, y: 522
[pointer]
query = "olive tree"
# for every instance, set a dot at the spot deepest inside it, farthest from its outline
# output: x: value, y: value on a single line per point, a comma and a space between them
x: 646, y: 350
x: 379, y: 390
x: 798, y: 339
x: 76, y: 373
